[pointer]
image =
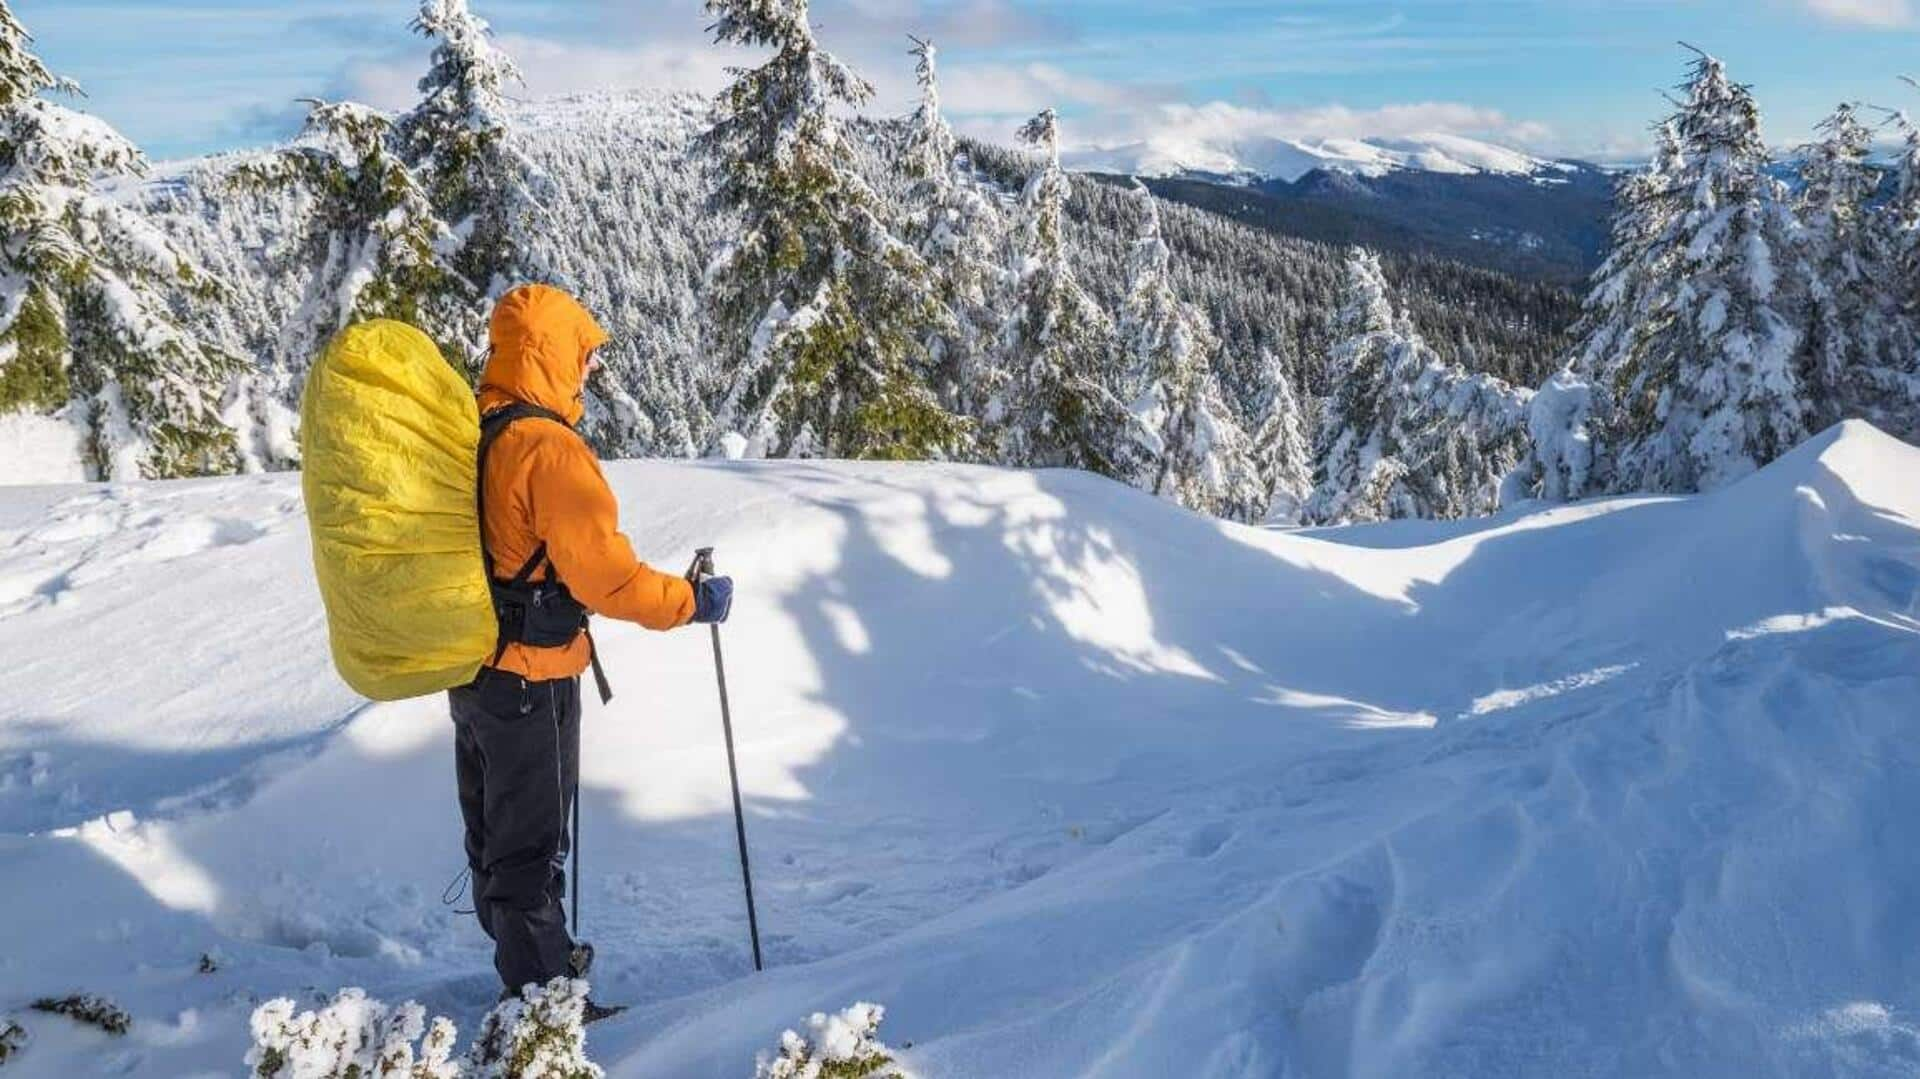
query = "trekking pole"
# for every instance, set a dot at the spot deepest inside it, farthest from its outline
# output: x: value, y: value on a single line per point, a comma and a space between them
x: 701, y: 569
x: 576, y: 860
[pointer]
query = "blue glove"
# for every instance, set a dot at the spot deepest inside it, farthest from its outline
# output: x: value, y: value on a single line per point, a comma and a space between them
x: 712, y: 599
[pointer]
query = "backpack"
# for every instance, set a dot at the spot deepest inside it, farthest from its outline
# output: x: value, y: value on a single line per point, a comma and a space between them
x: 389, y: 443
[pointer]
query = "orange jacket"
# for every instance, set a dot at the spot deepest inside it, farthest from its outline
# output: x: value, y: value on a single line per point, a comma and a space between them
x: 543, y: 484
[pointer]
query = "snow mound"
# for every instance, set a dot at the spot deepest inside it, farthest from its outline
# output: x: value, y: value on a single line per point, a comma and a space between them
x: 1069, y: 780
x: 39, y: 449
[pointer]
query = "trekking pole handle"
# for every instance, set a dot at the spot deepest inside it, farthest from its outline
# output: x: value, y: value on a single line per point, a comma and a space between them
x: 702, y: 565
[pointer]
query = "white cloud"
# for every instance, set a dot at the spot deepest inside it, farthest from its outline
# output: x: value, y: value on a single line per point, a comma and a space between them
x: 553, y: 68
x: 1878, y: 13
x: 1024, y: 89
x: 384, y: 84
x: 854, y: 26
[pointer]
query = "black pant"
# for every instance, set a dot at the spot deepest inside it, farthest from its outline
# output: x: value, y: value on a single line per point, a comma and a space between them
x: 517, y: 757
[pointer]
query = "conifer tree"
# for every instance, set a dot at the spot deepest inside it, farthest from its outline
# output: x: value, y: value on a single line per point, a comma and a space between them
x: 1282, y: 451
x: 1189, y: 445
x: 1900, y: 218
x: 459, y: 145
x: 1403, y: 434
x: 1057, y: 407
x: 372, y: 242
x: 1354, y: 468
x: 1851, y: 319
x: 958, y: 230
x: 818, y: 314
x: 1887, y: 390
x: 1705, y: 388
x: 1632, y: 295
x: 89, y: 293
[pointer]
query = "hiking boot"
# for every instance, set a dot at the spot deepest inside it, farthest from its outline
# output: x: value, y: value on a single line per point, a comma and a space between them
x: 595, y: 1011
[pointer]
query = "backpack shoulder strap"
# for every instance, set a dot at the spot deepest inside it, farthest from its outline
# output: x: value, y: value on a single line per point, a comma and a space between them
x: 492, y: 425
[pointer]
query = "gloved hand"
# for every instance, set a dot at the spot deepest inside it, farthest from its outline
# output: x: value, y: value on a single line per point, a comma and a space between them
x: 712, y: 599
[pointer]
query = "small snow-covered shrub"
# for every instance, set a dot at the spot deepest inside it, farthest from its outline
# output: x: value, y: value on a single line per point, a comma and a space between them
x: 354, y: 1037
x: 840, y: 1046
x: 536, y: 1035
x: 87, y: 1008
x: 13, y: 1038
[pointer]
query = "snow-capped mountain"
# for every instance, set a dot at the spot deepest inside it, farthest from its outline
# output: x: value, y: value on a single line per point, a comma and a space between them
x: 1266, y: 158
x: 1433, y: 194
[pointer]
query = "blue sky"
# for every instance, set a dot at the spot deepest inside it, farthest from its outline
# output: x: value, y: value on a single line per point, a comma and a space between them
x: 1563, y: 77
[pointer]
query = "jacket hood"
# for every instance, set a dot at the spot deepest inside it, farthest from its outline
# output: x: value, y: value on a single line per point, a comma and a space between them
x: 541, y: 338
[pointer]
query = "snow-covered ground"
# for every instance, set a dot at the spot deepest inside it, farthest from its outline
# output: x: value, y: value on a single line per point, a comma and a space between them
x: 1075, y: 783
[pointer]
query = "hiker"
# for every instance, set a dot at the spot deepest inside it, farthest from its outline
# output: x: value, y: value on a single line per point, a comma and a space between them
x: 550, y: 533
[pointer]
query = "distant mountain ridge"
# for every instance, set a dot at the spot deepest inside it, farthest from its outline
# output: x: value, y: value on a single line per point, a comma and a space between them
x: 1262, y: 159
x: 1553, y: 233
x: 1450, y: 196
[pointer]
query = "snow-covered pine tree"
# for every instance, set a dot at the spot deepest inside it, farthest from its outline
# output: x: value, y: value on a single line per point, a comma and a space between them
x: 1853, y: 339
x: 959, y: 230
x: 91, y: 293
x: 1631, y: 296
x: 1888, y: 392
x: 1900, y: 219
x: 1058, y: 406
x: 495, y: 199
x: 1282, y: 451
x: 1706, y: 389
x: 1190, y: 446
x: 1354, y: 470
x: 458, y: 144
x: 1462, y: 436
x: 816, y: 312
x: 1403, y: 434
x: 373, y: 245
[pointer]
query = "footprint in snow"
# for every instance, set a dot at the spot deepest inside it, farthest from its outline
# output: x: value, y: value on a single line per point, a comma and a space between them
x: 1207, y: 840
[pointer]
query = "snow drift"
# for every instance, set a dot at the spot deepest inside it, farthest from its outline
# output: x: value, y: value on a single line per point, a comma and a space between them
x: 1073, y: 782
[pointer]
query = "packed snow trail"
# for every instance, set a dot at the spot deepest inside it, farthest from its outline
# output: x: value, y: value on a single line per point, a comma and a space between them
x: 1072, y: 781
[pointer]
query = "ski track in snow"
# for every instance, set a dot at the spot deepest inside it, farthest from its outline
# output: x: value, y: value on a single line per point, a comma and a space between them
x: 1075, y: 783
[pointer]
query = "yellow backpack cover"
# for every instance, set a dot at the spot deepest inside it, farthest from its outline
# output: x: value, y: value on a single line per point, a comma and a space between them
x: 388, y: 437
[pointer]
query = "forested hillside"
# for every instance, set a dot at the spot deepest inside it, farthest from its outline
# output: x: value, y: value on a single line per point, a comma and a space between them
x: 631, y: 230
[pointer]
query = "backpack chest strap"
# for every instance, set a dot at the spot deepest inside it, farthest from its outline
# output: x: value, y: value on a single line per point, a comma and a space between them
x: 543, y: 614
x: 492, y: 426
